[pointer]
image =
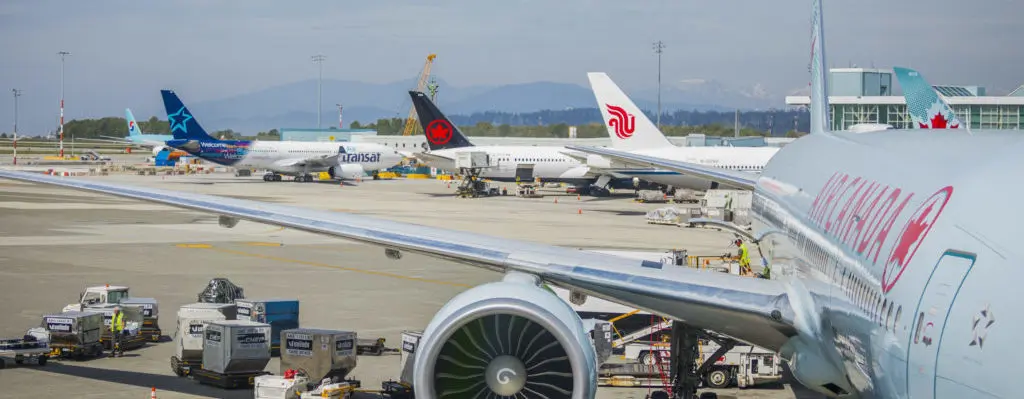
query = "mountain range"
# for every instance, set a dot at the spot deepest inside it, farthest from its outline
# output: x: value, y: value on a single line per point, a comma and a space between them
x: 294, y: 105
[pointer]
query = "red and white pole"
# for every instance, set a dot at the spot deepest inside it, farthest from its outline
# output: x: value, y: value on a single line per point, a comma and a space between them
x: 340, y: 125
x: 62, y: 126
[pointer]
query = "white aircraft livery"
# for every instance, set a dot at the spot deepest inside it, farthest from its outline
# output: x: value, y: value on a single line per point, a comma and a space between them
x: 886, y: 282
x: 631, y: 130
x: 294, y: 158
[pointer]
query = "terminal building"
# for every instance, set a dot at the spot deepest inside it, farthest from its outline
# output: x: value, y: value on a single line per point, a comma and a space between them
x: 418, y: 142
x: 289, y: 134
x: 863, y: 95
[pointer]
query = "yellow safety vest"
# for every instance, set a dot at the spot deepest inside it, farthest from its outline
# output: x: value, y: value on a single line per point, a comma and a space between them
x: 117, y: 322
x: 744, y: 255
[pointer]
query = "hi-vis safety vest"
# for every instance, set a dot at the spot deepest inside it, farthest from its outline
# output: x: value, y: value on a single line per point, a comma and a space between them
x: 744, y: 255
x: 117, y: 322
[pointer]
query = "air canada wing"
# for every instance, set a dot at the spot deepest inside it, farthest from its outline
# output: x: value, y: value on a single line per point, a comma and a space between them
x: 740, y: 180
x: 756, y: 311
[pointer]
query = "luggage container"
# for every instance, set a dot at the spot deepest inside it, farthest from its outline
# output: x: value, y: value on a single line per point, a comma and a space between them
x: 234, y: 353
x: 132, y: 315
x: 150, y: 316
x: 410, y: 341
x: 281, y: 314
x: 278, y: 387
x: 74, y: 334
x: 188, y: 336
x: 321, y: 353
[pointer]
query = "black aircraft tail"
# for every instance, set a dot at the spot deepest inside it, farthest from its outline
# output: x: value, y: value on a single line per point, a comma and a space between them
x: 441, y: 133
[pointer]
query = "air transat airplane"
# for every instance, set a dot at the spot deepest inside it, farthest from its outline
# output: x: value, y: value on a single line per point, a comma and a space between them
x: 630, y: 130
x: 293, y: 158
x: 886, y: 282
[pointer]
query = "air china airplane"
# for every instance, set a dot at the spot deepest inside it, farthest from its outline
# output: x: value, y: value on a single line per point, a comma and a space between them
x: 886, y: 283
x: 293, y: 158
x: 630, y: 130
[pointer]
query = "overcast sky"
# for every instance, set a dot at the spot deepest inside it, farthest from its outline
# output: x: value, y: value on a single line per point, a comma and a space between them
x: 214, y: 49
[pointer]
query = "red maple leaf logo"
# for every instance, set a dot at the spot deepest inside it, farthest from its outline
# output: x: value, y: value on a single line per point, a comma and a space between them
x: 938, y: 121
x: 913, y: 234
x: 439, y: 132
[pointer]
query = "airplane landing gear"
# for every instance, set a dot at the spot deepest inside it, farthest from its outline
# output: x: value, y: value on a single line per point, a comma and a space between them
x: 271, y: 177
x: 306, y: 178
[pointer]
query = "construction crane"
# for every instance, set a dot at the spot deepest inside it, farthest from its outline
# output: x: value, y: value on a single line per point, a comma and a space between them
x: 410, y: 122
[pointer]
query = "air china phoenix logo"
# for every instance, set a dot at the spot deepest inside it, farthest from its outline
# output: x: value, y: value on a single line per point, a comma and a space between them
x: 623, y: 122
x: 913, y: 234
x: 439, y: 132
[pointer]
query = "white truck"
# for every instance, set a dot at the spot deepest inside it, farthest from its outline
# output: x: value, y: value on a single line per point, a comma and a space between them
x: 743, y: 365
x: 101, y: 296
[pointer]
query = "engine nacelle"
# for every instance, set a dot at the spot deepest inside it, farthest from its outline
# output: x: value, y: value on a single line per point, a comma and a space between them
x: 346, y: 171
x: 506, y: 339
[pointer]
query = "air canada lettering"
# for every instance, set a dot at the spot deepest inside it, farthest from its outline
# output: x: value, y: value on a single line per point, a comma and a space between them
x: 859, y: 213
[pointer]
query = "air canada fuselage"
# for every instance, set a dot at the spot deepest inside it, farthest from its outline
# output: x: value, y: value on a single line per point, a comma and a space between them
x: 895, y: 243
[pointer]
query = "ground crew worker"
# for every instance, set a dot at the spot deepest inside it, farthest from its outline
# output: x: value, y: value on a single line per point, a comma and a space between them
x: 745, y: 269
x: 116, y: 330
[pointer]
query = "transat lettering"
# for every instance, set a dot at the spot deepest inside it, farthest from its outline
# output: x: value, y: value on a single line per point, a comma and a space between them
x: 366, y: 157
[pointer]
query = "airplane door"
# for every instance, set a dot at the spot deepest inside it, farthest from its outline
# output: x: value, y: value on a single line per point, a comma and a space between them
x: 930, y: 321
x: 524, y: 173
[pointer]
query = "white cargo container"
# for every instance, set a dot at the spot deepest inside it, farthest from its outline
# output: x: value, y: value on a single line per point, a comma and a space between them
x: 188, y: 336
x: 321, y: 353
x: 236, y: 347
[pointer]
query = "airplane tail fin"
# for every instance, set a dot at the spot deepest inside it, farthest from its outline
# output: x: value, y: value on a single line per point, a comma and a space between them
x: 627, y: 125
x: 820, y: 120
x: 183, y: 125
x: 133, y: 127
x: 441, y: 133
x: 927, y: 109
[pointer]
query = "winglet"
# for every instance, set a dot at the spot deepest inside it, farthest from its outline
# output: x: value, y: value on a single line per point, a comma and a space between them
x: 133, y: 127
x: 628, y: 127
x: 820, y: 120
x: 183, y: 125
x: 440, y: 131
x: 927, y: 109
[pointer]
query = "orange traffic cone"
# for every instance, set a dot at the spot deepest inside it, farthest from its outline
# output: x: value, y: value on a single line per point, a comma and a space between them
x: 556, y: 200
x: 579, y: 211
x: 577, y: 197
x: 152, y: 394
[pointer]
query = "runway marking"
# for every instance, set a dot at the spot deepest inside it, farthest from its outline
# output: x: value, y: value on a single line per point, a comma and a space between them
x: 323, y: 265
x: 265, y: 244
x: 194, y: 246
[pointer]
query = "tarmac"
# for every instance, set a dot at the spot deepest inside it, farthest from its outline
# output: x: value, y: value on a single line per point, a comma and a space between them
x: 55, y: 242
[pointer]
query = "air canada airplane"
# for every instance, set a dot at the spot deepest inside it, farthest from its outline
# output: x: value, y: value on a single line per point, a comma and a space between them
x: 886, y: 282
x: 295, y: 158
x: 926, y: 107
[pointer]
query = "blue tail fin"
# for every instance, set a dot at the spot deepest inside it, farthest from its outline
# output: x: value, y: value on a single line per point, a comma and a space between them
x: 183, y: 125
x: 133, y: 127
x: 926, y: 108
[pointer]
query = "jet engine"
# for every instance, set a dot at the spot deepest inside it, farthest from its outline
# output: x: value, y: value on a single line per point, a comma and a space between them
x: 346, y: 171
x: 507, y: 339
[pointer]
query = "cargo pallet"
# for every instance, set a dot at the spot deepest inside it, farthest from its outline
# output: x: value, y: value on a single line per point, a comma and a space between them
x: 20, y: 351
x: 76, y: 351
x: 226, y: 381
x: 183, y: 367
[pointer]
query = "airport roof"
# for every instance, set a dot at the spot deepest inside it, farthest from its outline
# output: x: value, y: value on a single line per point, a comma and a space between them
x: 861, y: 70
x: 896, y: 100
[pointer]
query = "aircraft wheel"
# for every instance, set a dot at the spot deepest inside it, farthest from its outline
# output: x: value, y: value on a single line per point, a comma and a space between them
x: 717, y: 378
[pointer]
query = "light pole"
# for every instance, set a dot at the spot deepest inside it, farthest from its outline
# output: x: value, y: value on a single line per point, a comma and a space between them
x: 319, y: 59
x: 658, y: 47
x: 62, y: 54
x: 17, y: 93
x: 340, y: 124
